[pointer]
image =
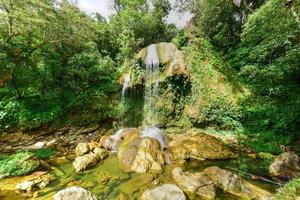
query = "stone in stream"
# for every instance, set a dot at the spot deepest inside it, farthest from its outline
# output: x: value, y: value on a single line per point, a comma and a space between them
x: 100, y: 153
x: 194, y: 183
x: 81, y: 149
x: 231, y: 183
x: 74, y: 193
x: 84, y: 162
x: 164, y: 192
x: 198, y: 146
x: 113, y: 142
x: 38, y: 180
x: 88, y: 155
x: 140, y: 154
x: 286, y: 165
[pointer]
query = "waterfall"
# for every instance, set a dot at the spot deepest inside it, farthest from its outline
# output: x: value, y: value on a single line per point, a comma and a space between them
x: 151, y: 86
x: 125, y: 86
x: 152, y: 76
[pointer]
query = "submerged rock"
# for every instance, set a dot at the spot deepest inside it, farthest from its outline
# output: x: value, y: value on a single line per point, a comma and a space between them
x: 194, y: 183
x: 231, y: 183
x: 286, y: 165
x: 164, y: 192
x: 74, y: 193
x: 198, y: 146
x: 38, y: 180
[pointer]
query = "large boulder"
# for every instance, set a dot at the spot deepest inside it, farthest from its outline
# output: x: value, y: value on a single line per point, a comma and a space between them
x: 164, y: 192
x: 140, y: 154
x: 198, y: 146
x: 231, y: 183
x: 194, y: 183
x: 100, y: 153
x: 170, y: 57
x: 81, y: 149
x: 113, y: 142
x: 84, y: 162
x: 74, y: 193
x: 286, y: 165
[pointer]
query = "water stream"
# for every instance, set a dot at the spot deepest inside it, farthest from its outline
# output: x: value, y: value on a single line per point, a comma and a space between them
x: 125, y: 87
x: 151, y: 86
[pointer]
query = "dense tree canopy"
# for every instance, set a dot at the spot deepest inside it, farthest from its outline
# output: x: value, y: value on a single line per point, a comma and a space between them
x: 55, y: 58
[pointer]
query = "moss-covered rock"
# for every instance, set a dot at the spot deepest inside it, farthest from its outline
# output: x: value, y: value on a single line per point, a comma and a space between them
x: 198, y: 145
x: 18, y: 164
x: 233, y: 184
x: 169, y: 57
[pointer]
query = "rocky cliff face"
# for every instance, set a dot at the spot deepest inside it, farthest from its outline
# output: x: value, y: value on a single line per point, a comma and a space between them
x: 189, y: 85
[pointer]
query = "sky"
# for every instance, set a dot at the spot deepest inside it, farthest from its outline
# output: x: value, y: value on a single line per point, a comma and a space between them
x: 104, y: 7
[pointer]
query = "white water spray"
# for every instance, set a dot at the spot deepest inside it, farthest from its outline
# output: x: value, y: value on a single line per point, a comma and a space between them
x: 155, y: 133
x: 151, y: 86
x: 150, y: 108
x: 125, y: 86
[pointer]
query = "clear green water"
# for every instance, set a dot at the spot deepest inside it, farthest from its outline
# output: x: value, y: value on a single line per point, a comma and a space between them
x: 109, y: 182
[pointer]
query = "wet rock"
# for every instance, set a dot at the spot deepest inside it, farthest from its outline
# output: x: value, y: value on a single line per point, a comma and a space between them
x: 198, y: 146
x: 100, y: 153
x: 92, y: 145
x: 286, y: 165
x: 74, y: 193
x: 231, y: 183
x: 38, y: 180
x: 149, y: 157
x: 194, y: 183
x: 140, y: 155
x: 84, y: 162
x: 81, y: 149
x: 170, y: 57
x: 164, y: 192
x: 113, y: 142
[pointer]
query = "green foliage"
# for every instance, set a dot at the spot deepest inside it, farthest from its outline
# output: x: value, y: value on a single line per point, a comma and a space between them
x: 290, y: 191
x: 222, y: 115
x: 43, y: 153
x: 181, y: 39
x: 268, y: 61
x: 17, y: 164
x: 222, y: 20
x: 59, y: 65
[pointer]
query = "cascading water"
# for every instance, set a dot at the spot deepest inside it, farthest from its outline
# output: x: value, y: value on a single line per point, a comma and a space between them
x: 152, y: 76
x: 151, y: 86
x: 125, y: 86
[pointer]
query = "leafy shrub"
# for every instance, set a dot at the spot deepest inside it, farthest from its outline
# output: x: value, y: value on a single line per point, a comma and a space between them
x: 222, y: 115
x: 290, y: 191
x: 17, y: 164
x: 43, y: 153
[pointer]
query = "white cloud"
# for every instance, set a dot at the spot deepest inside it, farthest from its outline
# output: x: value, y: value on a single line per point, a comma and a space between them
x: 105, y: 8
x: 179, y: 19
